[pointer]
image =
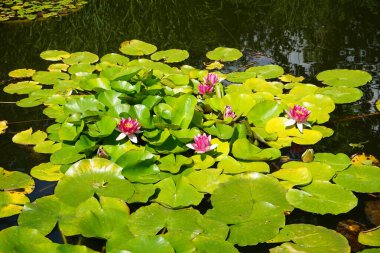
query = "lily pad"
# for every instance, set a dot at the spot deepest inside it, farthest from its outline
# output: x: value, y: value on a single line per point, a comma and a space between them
x: 338, y: 162
x: 170, y: 56
x: 81, y: 57
x: 21, y: 73
x: 320, y: 107
x: 322, y: 197
x: 27, y: 137
x: 342, y: 94
x: 319, y: 170
x: 230, y: 166
x: 11, y: 203
x: 224, y: 54
x: 264, y: 111
x: 344, y: 77
x: 54, y: 55
x: 114, y: 58
x: 370, y: 238
x: 47, y: 172
x: 360, y: 178
x: 90, y: 176
x: 267, y: 71
x: 296, y: 176
x: 3, y: 126
x: 51, y: 78
x: 177, y: 194
x: 22, y: 87
x: 311, y: 239
x: 137, y: 47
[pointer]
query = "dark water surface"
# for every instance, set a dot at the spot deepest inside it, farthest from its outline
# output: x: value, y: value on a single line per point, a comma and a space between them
x: 305, y: 37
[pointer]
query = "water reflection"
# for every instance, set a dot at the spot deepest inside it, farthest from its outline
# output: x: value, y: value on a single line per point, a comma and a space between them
x: 305, y: 37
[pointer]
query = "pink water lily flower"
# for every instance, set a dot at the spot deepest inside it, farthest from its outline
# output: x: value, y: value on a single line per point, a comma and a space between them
x: 298, y: 115
x: 202, y: 144
x: 228, y: 112
x: 211, y: 79
x: 204, y: 88
x: 128, y: 127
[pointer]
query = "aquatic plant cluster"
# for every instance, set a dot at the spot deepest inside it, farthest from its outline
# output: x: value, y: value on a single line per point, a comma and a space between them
x: 30, y: 10
x: 171, y: 141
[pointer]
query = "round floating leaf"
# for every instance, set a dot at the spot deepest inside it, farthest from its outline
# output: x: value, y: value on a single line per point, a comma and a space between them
x: 296, y: 176
x: 291, y: 79
x: 81, y: 57
x: 267, y: 71
x: 58, y: 67
x: 344, y: 77
x: 320, y: 107
x: 46, y: 77
x: 115, y: 59
x: 230, y: 166
x: 342, y: 94
x: 21, y: 73
x: 47, y: 147
x: 66, y: 155
x: 322, y: 197
x: 169, y: 56
x: 93, y: 176
x: 11, y: 203
x: 153, y: 244
x: 338, y: 162
x: 303, y: 90
x: 222, y: 131
x: 173, y: 163
x: 319, y: 171
x: 24, y: 240
x: 15, y: 181
x: 22, y: 87
x: 177, y: 195
x: 41, y: 214
x: 137, y: 47
x: 243, y: 149
x: 211, y: 245
x: 81, y: 68
x: 325, y: 131
x: 307, y: 137
x: 360, y: 178
x: 54, y: 55
x: 264, y: 111
x: 240, y: 77
x: 27, y: 137
x: 47, y: 172
x: 224, y: 54
x: 370, y: 238
x: 311, y: 239
x: 205, y: 180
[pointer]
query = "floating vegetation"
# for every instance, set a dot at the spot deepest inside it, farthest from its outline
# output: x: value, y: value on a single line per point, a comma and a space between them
x: 29, y: 10
x: 132, y: 130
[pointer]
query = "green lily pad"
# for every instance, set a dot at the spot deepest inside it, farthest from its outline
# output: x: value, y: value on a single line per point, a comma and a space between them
x: 202, y: 161
x: 250, y: 202
x: 307, y: 137
x: 342, y: 94
x: 22, y: 87
x: 325, y: 131
x: 24, y: 240
x: 240, y: 77
x: 360, y: 178
x: 81, y: 57
x: 267, y: 71
x: 79, y: 68
x: 296, y: 176
x: 21, y: 73
x: 338, y: 162
x: 153, y: 244
x: 230, y: 166
x: 47, y: 172
x: 319, y: 170
x: 27, y: 137
x: 320, y: 107
x: 3, y: 126
x: 11, y: 203
x: 66, y: 155
x: 58, y: 67
x: 344, y: 77
x: 264, y: 111
x: 173, y: 163
x: 303, y: 90
x: 222, y: 131
x: 224, y: 54
x: 177, y: 194
x: 114, y: 58
x: 54, y: 55
x: 370, y: 238
x: 14, y: 181
x: 311, y: 239
x: 322, y: 197
x: 170, y: 56
x: 243, y: 149
x: 137, y: 47
x: 205, y: 180
x: 51, y: 78
x: 93, y: 176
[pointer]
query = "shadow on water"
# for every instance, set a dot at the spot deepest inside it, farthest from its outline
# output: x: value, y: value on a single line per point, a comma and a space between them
x: 305, y: 37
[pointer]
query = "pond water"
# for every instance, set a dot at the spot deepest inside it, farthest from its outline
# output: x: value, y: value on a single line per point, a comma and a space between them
x: 305, y: 37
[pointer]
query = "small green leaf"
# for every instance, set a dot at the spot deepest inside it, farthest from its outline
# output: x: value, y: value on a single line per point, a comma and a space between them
x: 137, y: 47
x: 27, y: 137
x: 224, y: 54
